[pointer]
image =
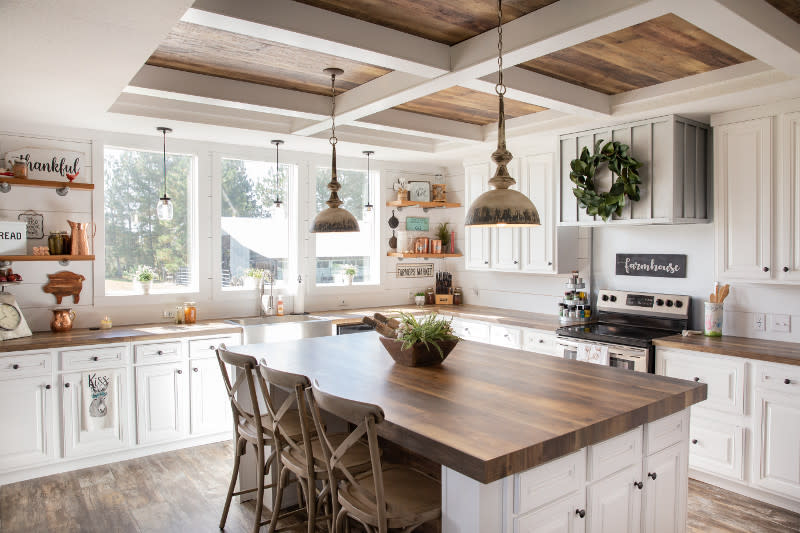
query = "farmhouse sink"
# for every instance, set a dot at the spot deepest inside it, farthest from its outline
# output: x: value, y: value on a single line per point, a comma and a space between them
x: 267, y: 329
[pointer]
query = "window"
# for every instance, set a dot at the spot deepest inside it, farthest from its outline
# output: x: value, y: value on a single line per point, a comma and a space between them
x: 337, y: 251
x: 255, y: 233
x: 134, y: 236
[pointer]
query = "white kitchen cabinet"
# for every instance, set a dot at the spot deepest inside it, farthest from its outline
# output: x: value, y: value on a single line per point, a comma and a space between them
x: 777, y: 442
x: 717, y: 447
x: 161, y: 402
x: 665, y: 488
x: 789, y: 204
x: 614, y: 503
x: 477, y: 250
x: 562, y: 516
x: 507, y: 336
x: 26, y: 416
x: 743, y: 155
x: 534, y: 340
x: 94, y: 410
x: 210, y: 410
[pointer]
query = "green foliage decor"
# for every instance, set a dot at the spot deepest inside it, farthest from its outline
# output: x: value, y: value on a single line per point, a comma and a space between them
x: 144, y: 273
x: 620, y: 163
x: 443, y: 234
x: 430, y: 331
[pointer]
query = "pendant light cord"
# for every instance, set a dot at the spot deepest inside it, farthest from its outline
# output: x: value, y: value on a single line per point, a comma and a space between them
x: 164, y: 153
x: 333, y: 138
x: 277, y: 175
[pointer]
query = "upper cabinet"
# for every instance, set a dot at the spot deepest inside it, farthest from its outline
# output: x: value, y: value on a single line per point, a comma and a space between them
x: 757, y: 196
x: 674, y: 152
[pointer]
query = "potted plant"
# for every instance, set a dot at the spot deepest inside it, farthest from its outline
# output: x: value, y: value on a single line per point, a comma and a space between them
x: 143, y: 278
x: 419, y: 298
x: 349, y: 272
x: 423, y: 342
x: 252, y: 277
x: 443, y: 234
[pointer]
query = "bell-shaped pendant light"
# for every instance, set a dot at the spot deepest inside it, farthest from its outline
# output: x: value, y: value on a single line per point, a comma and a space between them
x: 164, y: 208
x: 334, y: 219
x: 278, y: 202
x: 502, y: 206
x: 368, y: 206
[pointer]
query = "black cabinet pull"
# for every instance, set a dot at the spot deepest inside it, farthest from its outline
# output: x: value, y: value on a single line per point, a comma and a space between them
x: 787, y: 381
x: 765, y: 269
x: 696, y: 378
x: 580, y: 512
x: 66, y: 385
x: 694, y: 441
x: 638, y: 484
x: 47, y: 387
x: 786, y: 269
x: 652, y: 475
x: 15, y: 366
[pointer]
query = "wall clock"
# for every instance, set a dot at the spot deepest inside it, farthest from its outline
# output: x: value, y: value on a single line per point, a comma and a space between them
x: 12, y: 322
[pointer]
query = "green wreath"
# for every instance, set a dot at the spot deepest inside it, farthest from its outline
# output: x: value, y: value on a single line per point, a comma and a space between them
x: 620, y: 163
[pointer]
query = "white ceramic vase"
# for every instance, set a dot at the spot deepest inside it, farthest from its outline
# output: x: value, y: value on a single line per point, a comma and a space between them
x: 143, y: 287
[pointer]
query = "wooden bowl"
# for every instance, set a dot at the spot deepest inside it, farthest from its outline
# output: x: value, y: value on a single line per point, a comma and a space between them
x: 419, y: 354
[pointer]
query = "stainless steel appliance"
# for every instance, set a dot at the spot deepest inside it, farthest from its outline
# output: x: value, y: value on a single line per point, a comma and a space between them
x: 627, y: 322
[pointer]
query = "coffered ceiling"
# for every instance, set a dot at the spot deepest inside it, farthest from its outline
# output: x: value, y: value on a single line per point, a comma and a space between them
x: 790, y: 8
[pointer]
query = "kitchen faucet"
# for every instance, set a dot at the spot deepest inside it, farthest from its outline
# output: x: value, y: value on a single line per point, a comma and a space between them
x: 269, y: 309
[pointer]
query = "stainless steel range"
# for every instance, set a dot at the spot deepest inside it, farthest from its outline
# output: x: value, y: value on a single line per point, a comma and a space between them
x: 627, y: 323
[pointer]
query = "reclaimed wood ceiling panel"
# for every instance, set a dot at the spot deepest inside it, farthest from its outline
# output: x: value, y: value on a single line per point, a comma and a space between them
x: 444, y: 21
x: 204, y: 50
x: 790, y: 8
x: 663, y: 49
x: 466, y: 105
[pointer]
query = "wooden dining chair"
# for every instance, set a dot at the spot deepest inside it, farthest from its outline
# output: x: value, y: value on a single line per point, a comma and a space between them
x: 386, y: 496
x: 302, y: 454
x: 250, y: 427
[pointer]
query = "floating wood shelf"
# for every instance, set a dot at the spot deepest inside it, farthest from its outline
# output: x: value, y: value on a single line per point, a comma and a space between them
x: 12, y: 258
x: 424, y: 205
x: 47, y: 183
x: 423, y: 256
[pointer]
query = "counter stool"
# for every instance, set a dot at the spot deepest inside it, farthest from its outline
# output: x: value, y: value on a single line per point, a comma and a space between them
x: 250, y: 426
x: 385, y: 496
x: 302, y: 454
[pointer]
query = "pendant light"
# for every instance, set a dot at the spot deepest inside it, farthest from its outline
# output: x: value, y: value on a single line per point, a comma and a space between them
x: 278, y: 203
x: 334, y: 219
x: 164, y: 207
x: 502, y: 206
x: 368, y: 153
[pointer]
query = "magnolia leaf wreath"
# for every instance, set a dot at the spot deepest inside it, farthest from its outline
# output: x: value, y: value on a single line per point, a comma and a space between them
x: 620, y: 163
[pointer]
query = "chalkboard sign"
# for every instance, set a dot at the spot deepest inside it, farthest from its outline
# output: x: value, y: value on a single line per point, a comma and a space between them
x: 416, y: 223
x: 652, y: 265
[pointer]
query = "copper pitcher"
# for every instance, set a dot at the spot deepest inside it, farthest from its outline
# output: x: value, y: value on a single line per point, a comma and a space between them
x: 80, y: 237
x: 62, y: 320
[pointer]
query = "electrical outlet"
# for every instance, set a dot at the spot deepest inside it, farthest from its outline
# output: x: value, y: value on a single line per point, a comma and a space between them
x: 168, y: 313
x: 759, y: 322
x: 781, y: 323
x: 411, y: 295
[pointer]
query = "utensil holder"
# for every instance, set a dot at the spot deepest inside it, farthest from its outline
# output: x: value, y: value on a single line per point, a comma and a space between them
x: 713, y: 319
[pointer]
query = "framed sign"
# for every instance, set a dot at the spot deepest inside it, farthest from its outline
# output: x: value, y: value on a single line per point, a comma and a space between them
x: 416, y: 223
x: 415, y: 270
x: 652, y: 265
x: 48, y: 163
x: 419, y: 191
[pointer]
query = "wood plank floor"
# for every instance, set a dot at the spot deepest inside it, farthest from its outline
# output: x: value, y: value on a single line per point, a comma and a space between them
x: 185, y: 491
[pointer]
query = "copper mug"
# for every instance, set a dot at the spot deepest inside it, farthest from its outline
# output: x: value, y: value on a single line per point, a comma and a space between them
x: 62, y: 320
x: 80, y: 237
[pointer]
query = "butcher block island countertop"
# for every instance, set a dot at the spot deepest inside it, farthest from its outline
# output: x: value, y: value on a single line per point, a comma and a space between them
x: 487, y: 411
x: 759, y: 349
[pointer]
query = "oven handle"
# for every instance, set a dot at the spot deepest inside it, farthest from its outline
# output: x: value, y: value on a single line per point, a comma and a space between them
x: 613, y: 349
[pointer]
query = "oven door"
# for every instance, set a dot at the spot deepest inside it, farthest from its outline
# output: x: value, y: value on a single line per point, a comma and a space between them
x: 629, y: 357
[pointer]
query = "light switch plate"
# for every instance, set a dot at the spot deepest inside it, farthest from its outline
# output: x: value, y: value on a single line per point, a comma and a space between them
x: 781, y: 323
x: 759, y: 322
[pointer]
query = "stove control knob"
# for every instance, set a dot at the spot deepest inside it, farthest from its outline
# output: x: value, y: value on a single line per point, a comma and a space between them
x: 613, y: 298
x: 659, y: 302
x: 678, y: 304
x: 669, y: 303
x: 605, y: 297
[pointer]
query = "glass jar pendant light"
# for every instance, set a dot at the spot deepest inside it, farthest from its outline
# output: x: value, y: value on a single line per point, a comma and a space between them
x: 164, y: 208
x: 334, y: 219
x: 502, y: 206
x: 368, y: 205
x: 278, y: 202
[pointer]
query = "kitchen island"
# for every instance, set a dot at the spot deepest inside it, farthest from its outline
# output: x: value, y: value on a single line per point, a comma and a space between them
x: 523, y: 439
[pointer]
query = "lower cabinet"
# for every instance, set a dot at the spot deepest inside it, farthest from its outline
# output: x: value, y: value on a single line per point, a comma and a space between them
x: 777, y: 442
x: 614, y: 504
x: 26, y: 412
x: 161, y: 402
x: 664, y: 490
x: 562, y: 516
x: 210, y: 410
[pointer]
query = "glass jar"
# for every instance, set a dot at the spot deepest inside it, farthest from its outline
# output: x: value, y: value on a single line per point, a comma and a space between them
x: 190, y: 312
x: 430, y: 296
x: 458, y: 296
x: 180, y: 315
x: 20, y: 169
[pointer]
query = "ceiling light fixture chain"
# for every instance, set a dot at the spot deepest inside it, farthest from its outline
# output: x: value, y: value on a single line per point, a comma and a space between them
x: 164, y: 208
x: 500, y: 88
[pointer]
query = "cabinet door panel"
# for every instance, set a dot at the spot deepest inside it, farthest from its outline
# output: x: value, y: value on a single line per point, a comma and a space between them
x: 476, y: 239
x: 777, y: 441
x: 558, y: 517
x: 209, y: 405
x: 26, y: 408
x: 160, y: 402
x: 790, y: 199
x: 614, y: 504
x: 665, y: 496
x: 743, y: 165
x: 537, y: 246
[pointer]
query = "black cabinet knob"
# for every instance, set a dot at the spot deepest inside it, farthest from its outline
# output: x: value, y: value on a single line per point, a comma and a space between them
x: 638, y: 484
x: 212, y: 347
x: 66, y: 385
x: 47, y: 387
x: 179, y: 371
x: 516, y: 262
x: 486, y: 262
x: 652, y: 475
x: 95, y: 358
x: 580, y: 512
x: 160, y: 352
x: 786, y: 269
x: 15, y: 366
x: 195, y: 369
x: 696, y: 378
x: 765, y: 269
x: 787, y: 381
x: 694, y: 441
x: 541, y: 341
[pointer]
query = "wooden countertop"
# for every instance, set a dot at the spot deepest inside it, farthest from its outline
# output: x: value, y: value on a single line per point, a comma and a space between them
x: 79, y: 337
x: 759, y: 349
x: 507, y: 317
x: 487, y: 411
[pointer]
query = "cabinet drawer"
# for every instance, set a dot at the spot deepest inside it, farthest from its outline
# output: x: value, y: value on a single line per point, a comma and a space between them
x: 93, y: 358
x: 549, y: 482
x: 471, y: 331
x: 208, y: 347
x: 19, y: 366
x: 614, y: 454
x: 161, y: 352
x: 505, y: 336
x: 716, y: 448
x: 665, y: 432
x: 783, y: 378
x: 539, y: 342
x: 725, y: 377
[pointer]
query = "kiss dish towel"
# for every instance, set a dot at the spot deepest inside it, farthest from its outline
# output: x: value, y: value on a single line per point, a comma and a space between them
x: 593, y: 353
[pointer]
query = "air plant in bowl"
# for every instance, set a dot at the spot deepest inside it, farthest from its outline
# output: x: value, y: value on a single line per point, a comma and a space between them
x: 419, y: 342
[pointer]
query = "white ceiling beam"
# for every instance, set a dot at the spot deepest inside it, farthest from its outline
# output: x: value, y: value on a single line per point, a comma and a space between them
x: 406, y: 122
x: 537, y: 89
x: 753, y: 26
x: 311, y: 28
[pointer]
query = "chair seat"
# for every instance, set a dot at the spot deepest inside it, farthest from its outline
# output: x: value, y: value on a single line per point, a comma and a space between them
x: 356, y: 458
x: 411, y: 497
x: 290, y: 423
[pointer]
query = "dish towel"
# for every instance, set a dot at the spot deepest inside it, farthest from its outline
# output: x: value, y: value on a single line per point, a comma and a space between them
x: 593, y: 353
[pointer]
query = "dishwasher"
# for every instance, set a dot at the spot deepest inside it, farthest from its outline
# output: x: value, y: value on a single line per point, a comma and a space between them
x: 344, y: 329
